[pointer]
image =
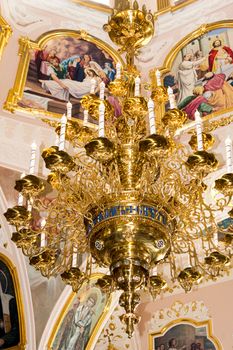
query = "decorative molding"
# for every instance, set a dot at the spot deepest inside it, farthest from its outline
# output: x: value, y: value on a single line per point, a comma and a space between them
x: 5, y: 33
x: 194, y: 313
x: 195, y: 310
x: 21, y: 18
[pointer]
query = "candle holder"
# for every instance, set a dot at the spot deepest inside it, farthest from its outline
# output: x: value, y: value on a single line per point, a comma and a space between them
x: 217, y: 262
x: 225, y: 184
x: 24, y: 238
x: 101, y: 149
x: 118, y: 87
x: 202, y: 162
x: 44, y: 260
x: 30, y: 185
x: 56, y: 180
x: 188, y: 277
x: 135, y: 107
x: 156, y: 285
x: 154, y: 145
x: 92, y: 103
x: 159, y: 95
x: 48, y: 151
x: 174, y: 119
x: 208, y: 141
x: 59, y: 161
x: 74, y: 277
x: 106, y: 284
x: 72, y: 130
x: 18, y: 215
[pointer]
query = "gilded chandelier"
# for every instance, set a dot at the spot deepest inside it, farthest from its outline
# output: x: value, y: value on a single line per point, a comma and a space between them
x: 130, y: 199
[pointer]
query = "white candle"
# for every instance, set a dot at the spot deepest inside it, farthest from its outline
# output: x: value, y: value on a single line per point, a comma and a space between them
x: 199, y: 131
x: 69, y: 110
x: 85, y: 119
x: 137, y: 86
x: 183, y: 260
x: 62, y: 133
x: 57, y: 140
x: 151, y: 116
x: 154, y: 271
x: 101, y: 119
x: 93, y: 86
x: 33, y: 158
x: 21, y: 198
x: 228, y: 145
x: 118, y: 70
x: 158, y: 77
x: 42, y: 235
x: 102, y: 90
x: 29, y: 205
x: 75, y: 257
x: 215, y: 238
x: 171, y: 97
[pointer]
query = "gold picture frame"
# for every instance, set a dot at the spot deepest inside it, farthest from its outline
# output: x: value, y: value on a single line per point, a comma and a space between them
x: 167, y: 66
x: 186, y: 321
x: 5, y: 33
x: 26, y: 45
x: 22, y: 329
x: 66, y: 307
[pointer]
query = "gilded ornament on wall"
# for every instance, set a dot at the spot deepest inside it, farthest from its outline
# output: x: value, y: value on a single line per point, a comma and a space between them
x: 5, y: 33
x: 183, y: 326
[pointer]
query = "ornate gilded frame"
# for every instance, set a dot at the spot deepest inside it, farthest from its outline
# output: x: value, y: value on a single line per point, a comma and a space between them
x: 25, y: 46
x: 69, y: 301
x: 167, y: 65
x: 5, y: 33
x: 196, y: 324
x: 18, y: 296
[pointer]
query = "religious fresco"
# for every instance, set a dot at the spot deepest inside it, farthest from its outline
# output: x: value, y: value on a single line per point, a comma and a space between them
x: 60, y: 67
x: 80, y: 319
x: 184, y: 336
x: 9, y: 316
x: 201, y: 75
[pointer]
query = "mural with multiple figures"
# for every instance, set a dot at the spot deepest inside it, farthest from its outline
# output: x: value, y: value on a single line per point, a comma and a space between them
x: 63, y: 71
x: 61, y: 66
x: 201, y: 75
x: 184, y: 337
x: 79, y: 320
x: 9, y: 317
